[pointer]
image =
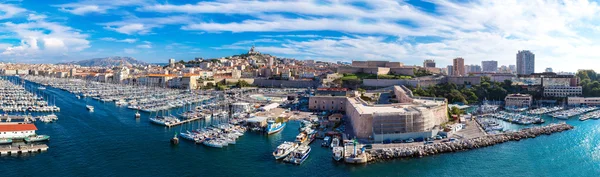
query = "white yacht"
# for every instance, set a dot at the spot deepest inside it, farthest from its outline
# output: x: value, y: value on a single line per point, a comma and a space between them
x: 90, y: 108
x: 338, y: 153
x: 284, y: 150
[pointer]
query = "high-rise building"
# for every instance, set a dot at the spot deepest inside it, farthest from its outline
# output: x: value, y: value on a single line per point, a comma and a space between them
x: 171, y: 61
x: 489, y: 66
x: 525, y: 62
x: 458, y: 66
x: 450, y: 70
x: 472, y: 69
x: 512, y: 68
x: 429, y: 64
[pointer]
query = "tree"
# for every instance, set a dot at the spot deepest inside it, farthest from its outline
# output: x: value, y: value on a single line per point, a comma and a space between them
x: 242, y: 83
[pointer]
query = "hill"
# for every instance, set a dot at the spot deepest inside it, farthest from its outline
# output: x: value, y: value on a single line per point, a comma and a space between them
x: 108, y: 61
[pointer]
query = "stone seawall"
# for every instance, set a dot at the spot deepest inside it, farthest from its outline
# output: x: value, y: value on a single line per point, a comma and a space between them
x: 462, y: 145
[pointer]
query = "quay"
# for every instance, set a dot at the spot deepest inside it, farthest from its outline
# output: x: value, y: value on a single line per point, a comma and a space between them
x: 183, y: 122
x: 23, y: 149
x: 462, y: 145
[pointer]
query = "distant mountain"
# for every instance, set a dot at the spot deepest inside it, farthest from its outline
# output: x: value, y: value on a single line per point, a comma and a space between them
x: 108, y: 61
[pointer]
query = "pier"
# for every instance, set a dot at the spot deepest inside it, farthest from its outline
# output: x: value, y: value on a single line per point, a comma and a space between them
x: 183, y: 122
x: 23, y: 149
x: 467, y: 144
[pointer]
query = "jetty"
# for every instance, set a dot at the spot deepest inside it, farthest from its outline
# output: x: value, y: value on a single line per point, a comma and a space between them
x: 10, y: 149
x: 183, y: 122
x: 463, y: 145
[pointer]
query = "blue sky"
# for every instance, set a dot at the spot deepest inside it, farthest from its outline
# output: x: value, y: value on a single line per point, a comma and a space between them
x: 562, y: 33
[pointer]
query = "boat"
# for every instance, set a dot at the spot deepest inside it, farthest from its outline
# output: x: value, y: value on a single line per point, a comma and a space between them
x: 6, y: 141
x: 137, y: 115
x: 335, y: 142
x: 325, y: 141
x: 338, y: 153
x: 301, y: 138
x: 37, y: 138
x: 299, y: 155
x: 284, y: 150
x: 41, y: 88
x: 175, y: 140
x: 89, y: 107
x: 213, y: 143
x: 273, y: 127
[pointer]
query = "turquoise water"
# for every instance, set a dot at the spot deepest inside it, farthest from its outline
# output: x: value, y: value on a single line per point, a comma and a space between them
x: 110, y: 142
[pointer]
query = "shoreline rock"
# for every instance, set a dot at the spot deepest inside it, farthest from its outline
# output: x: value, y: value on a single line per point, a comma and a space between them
x: 463, y: 145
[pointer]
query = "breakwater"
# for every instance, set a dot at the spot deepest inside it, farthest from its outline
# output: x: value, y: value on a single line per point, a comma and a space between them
x: 462, y: 145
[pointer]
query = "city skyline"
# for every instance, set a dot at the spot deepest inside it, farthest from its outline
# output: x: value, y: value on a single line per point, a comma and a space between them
x: 156, y: 31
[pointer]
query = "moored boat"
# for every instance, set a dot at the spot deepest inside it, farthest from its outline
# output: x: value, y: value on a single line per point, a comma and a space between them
x: 299, y: 155
x: 274, y: 127
x: 338, y: 153
x: 284, y: 150
x: 6, y: 141
x: 37, y: 138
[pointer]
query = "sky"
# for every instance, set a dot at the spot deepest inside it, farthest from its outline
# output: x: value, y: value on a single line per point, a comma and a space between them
x: 563, y: 34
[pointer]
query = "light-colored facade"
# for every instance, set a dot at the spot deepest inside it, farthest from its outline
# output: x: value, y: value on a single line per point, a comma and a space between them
x: 578, y: 101
x: 525, y: 62
x: 562, y: 91
x: 14, y: 130
x: 458, y: 67
x: 411, y: 117
x: 518, y: 100
x: 450, y: 70
x: 489, y: 66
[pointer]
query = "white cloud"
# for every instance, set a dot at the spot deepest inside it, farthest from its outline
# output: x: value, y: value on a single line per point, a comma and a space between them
x: 130, y: 29
x: 85, y: 7
x: 128, y: 40
x: 144, y: 46
x: 8, y: 11
x: 41, y: 38
x: 135, y: 25
x: 34, y: 17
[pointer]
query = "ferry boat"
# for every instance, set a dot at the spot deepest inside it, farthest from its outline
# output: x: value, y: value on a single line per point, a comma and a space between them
x: 37, y: 138
x: 6, y: 141
x: 273, y: 127
x: 89, y: 107
x: 338, y: 153
x: 284, y: 150
x: 299, y: 155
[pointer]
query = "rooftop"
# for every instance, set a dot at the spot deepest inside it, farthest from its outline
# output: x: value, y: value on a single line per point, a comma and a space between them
x: 16, y: 127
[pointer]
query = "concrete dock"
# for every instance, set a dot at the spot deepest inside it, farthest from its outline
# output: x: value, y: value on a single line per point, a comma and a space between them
x: 16, y: 149
x: 183, y: 122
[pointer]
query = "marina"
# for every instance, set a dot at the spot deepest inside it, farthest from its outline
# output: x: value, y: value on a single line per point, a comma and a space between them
x: 254, y: 147
x: 566, y: 114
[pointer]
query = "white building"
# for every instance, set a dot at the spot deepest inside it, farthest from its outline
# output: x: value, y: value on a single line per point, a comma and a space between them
x: 14, y: 130
x: 518, y: 100
x: 562, y: 91
x: 589, y: 101
x: 171, y: 61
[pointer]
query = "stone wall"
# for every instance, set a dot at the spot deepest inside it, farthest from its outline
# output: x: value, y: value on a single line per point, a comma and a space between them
x: 327, y: 103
